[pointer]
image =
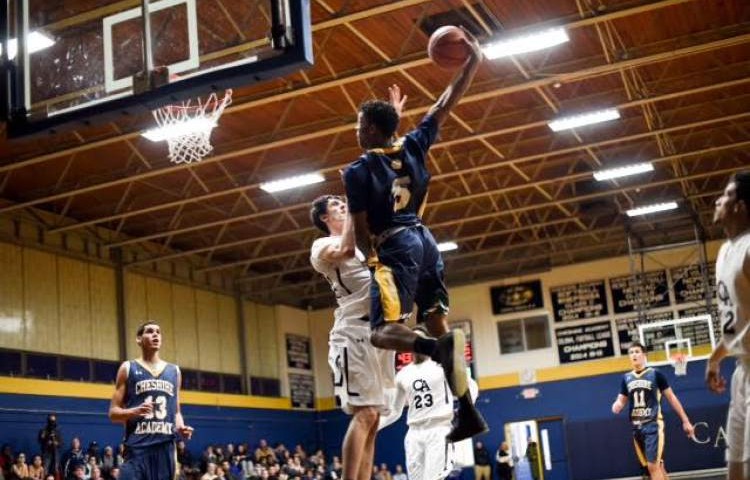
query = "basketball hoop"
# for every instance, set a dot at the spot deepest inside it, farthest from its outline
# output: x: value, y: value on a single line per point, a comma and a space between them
x: 187, y: 126
x: 679, y: 362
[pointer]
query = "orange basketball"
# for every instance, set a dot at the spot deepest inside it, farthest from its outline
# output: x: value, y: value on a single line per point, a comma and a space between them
x: 448, y: 47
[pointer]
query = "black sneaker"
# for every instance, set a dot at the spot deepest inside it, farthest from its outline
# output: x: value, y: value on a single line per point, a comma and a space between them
x: 467, y: 423
x: 450, y: 355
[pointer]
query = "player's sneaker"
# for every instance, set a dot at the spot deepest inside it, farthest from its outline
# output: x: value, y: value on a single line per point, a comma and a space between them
x: 450, y: 355
x: 468, y: 422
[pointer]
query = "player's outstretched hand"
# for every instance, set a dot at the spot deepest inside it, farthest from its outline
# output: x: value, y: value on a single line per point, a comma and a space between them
x: 186, y: 432
x: 689, y: 429
x: 616, y: 407
x: 715, y: 381
x: 396, y: 99
x: 145, y: 409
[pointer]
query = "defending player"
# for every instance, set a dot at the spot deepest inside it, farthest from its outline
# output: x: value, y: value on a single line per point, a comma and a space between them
x: 421, y: 385
x: 732, y: 212
x: 643, y: 389
x: 361, y: 371
x: 386, y: 189
x: 147, y: 402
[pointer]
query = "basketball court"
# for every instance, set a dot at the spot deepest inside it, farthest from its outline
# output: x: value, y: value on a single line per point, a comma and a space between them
x: 158, y: 159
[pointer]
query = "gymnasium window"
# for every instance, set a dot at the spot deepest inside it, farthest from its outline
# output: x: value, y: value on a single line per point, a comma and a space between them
x: 523, y: 334
x: 266, y: 387
x: 231, y: 384
x: 210, y: 382
x: 76, y: 369
x: 105, y: 372
x: 41, y: 366
x: 10, y: 363
x: 189, y: 379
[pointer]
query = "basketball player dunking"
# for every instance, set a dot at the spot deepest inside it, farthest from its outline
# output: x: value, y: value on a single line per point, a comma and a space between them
x: 147, y: 402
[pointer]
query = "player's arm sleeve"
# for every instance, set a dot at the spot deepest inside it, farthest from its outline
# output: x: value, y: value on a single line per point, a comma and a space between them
x: 661, y: 381
x: 424, y: 135
x: 623, y: 388
x: 473, y: 390
x: 397, y: 404
x: 356, y: 185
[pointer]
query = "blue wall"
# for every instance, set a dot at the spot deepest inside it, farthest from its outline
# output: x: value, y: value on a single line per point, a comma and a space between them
x: 599, y: 443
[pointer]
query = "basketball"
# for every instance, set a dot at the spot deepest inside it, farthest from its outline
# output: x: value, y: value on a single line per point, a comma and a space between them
x: 448, y: 47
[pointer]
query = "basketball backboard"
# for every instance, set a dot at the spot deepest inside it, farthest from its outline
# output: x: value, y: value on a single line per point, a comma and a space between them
x: 691, y: 336
x: 79, y: 59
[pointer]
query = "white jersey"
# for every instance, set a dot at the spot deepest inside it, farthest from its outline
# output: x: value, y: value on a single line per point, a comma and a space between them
x: 733, y: 293
x: 350, y: 282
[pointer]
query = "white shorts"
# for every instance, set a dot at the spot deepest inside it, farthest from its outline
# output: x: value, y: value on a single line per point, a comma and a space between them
x: 428, y: 455
x: 361, y: 372
x: 738, y: 429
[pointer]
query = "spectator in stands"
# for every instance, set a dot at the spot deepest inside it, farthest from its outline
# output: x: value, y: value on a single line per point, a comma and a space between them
x: 49, y: 477
x: 36, y: 469
x: 19, y: 470
x: 376, y: 473
x: 96, y: 474
x: 108, y: 461
x: 220, y: 475
x: 299, y: 451
x: 6, y: 460
x: 208, y: 457
x: 281, y: 452
x: 73, y: 458
x: 264, y: 454
x: 78, y: 472
x: 120, y: 454
x: 50, y: 440
x: 335, y: 468
x: 235, y: 468
x: 93, y: 451
x: 248, y: 468
x: 399, y: 475
x: 210, y: 472
x: 114, y: 474
x: 385, y: 472
x: 91, y: 464
x: 482, y: 462
x: 184, y: 457
x: 219, y: 452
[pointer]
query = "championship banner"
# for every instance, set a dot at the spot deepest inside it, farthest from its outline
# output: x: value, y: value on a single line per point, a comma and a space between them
x: 298, y: 352
x: 648, y: 291
x: 585, y: 342
x: 517, y: 298
x: 579, y: 301
x: 302, y: 390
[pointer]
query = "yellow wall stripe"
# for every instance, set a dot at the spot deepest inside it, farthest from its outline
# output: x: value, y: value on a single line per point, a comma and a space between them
x: 30, y: 386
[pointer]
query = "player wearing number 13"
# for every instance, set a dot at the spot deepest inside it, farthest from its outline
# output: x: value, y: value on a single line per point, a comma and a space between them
x: 643, y: 388
x: 146, y: 401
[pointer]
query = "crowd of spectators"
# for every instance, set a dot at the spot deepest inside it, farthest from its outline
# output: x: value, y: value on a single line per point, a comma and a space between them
x: 216, y: 462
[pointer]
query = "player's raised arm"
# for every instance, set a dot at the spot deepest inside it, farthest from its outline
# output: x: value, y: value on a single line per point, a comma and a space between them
x: 460, y: 82
x: 715, y: 381
x: 117, y: 411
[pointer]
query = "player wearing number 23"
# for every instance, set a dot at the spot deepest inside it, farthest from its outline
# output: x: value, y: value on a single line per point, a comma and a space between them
x: 146, y: 400
x: 643, y: 388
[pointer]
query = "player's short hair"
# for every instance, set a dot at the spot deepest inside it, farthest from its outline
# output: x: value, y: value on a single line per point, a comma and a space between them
x: 320, y: 207
x: 742, y: 182
x: 381, y: 114
x: 142, y: 328
x: 638, y: 345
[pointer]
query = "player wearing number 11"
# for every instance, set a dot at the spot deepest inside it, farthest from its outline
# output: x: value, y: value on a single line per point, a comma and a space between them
x: 643, y: 388
x: 147, y: 402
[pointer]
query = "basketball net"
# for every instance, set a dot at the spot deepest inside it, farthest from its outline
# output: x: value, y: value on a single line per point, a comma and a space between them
x: 187, y: 126
x: 679, y: 362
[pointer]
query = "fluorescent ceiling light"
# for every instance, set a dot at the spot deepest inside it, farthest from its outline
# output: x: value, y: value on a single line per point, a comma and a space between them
x: 447, y: 246
x: 167, y: 132
x: 35, y: 41
x: 657, y: 207
x: 590, y: 118
x: 624, y: 171
x: 526, y: 43
x: 292, y: 182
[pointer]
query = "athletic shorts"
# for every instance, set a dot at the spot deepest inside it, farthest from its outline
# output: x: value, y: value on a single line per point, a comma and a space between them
x: 649, y: 442
x: 428, y: 455
x: 738, y: 430
x: 154, y: 462
x: 361, y: 372
x: 409, y: 270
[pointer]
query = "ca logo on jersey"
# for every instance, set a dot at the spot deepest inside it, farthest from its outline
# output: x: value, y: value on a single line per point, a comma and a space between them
x: 420, y: 385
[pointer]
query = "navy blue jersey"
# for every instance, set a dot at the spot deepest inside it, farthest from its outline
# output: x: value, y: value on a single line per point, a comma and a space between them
x: 161, y: 390
x: 643, y: 390
x: 391, y: 184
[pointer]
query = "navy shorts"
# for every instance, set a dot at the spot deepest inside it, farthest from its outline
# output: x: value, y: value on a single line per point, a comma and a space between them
x: 154, y: 462
x: 649, y: 442
x: 409, y: 270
